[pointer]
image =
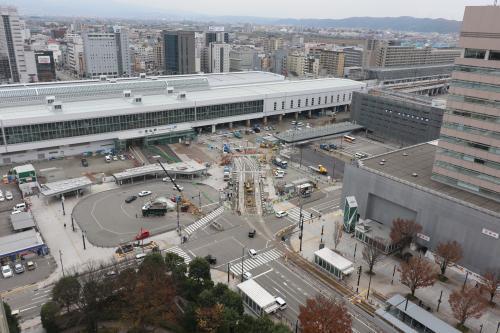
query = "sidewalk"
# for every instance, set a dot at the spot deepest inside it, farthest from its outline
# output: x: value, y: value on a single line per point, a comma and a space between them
x: 381, y: 281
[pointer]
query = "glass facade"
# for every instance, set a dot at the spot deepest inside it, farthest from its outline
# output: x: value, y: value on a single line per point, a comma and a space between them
x: 73, y: 128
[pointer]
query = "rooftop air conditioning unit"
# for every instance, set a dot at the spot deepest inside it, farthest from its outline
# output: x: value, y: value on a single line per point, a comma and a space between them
x: 182, y: 95
x: 142, y: 75
x: 170, y: 90
x: 50, y: 100
x: 57, y: 106
x: 103, y: 77
x: 127, y: 93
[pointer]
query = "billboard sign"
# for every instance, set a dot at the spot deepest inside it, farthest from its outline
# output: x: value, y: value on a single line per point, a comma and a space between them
x: 43, y: 59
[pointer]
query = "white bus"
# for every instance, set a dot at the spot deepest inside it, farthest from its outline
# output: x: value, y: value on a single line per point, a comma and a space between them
x: 349, y: 139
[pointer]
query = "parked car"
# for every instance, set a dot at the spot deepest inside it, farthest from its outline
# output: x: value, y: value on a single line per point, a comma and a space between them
x: 108, y: 159
x: 281, y: 213
x: 6, y: 271
x: 115, y: 158
x: 180, y: 188
x: 85, y: 163
x: 251, y: 233
x: 2, y: 198
x: 14, y: 212
x: 122, y: 157
x: 8, y: 195
x: 130, y: 198
x: 20, y: 206
x: 144, y: 193
x: 30, y: 265
x: 247, y: 276
x: 166, y: 179
x: 281, y: 302
x: 18, y: 268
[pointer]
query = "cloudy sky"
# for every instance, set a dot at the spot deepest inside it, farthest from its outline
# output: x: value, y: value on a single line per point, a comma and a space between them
x: 450, y: 9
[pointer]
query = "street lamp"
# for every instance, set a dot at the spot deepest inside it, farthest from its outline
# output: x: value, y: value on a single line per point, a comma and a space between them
x: 242, y: 262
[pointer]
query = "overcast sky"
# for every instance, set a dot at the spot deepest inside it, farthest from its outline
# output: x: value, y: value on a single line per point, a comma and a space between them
x: 450, y: 9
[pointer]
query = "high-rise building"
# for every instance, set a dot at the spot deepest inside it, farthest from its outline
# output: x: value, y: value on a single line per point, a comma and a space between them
x: 296, y: 63
x: 278, y: 62
x: 353, y: 56
x: 75, y: 59
x: 158, y: 55
x: 45, y: 66
x: 179, y: 50
x: 389, y: 54
x: 218, y: 57
x: 12, y: 57
x: 107, y: 53
x: 468, y: 155
x: 216, y: 37
x: 331, y: 62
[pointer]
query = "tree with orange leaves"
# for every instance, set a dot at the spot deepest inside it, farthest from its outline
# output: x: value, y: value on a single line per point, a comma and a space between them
x: 324, y: 315
x: 491, y: 283
x: 447, y: 254
x: 466, y: 303
x: 404, y: 231
x: 417, y: 273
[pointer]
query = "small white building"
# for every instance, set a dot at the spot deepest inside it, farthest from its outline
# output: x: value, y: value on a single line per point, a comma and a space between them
x: 333, y: 263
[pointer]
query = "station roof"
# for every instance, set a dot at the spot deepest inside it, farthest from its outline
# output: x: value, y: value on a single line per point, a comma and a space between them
x: 65, y: 186
x: 258, y: 294
x: 346, y: 266
x: 403, y: 163
x: 24, y: 168
x: 116, y: 104
x: 306, y: 134
x: 18, y: 242
x: 23, y: 220
x: 183, y: 168
x: 417, y: 313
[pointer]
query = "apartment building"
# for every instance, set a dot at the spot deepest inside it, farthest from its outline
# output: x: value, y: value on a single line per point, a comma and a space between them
x: 468, y: 155
x: 218, y: 57
x: 389, y: 55
x: 12, y: 55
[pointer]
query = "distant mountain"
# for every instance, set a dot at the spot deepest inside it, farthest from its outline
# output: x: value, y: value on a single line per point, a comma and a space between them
x: 117, y: 9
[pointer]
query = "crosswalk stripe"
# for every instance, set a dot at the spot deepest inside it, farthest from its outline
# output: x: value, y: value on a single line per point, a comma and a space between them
x: 259, y: 260
x: 204, y: 220
x: 294, y: 214
x: 180, y: 252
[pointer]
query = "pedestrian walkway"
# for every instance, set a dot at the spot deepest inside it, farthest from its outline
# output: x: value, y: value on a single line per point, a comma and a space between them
x: 294, y: 215
x: 180, y: 252
x: 259, y: 260
x: 204, y: 221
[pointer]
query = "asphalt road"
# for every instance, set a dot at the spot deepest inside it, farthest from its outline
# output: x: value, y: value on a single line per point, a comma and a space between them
x: 109, y: 221
x: 334, y: 165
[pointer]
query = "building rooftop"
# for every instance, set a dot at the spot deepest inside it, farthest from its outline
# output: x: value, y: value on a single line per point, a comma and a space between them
x: 413, y: 165
x: 23, y: 220
x: 20, y: 241
x: 343, y: 264
x: 65, y: 186
x: 305, y: 134
x: 220, y: 94
x: 258, y: 294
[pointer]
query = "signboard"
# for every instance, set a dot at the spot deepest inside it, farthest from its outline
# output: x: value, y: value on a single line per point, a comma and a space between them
x: 490, y: 233
x: 43, y: 59
x: 216, y: 28
x: 424, y: 237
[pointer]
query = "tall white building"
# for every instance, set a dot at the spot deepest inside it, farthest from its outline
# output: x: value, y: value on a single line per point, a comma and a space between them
x: 218, y: 57
x: 74, y: 61
x: 107, y: 53
x: 12, y: 57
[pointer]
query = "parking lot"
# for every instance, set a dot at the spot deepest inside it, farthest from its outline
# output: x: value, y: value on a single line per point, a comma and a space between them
x: 108, y: 220
x: 44, y: 266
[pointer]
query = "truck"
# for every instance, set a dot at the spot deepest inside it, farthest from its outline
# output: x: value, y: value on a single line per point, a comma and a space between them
x: 156, y: 207
x: 227, y: 173
x: 237, y: 134
x: 281, y: 163
x: 305, y: 190
x: 319, y: 169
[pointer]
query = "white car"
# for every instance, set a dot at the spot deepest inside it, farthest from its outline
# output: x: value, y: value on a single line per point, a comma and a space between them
x: 166, y: 179
x: 247, y: 276
x: 14, y: 212
x: 180, y: 188
x: 279, y: 174
x: 122, y: 157
x: 6, y: 271
x: 144, y: 193
x: 281, y: 213
x: 8, y: 195
x: 252, y: 253
x: 115, y: 158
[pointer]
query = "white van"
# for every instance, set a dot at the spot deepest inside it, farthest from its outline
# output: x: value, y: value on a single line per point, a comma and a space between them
x: 20, y: 206
x: 252, y: 253
x: 360, y: 155
x: 281, y: 303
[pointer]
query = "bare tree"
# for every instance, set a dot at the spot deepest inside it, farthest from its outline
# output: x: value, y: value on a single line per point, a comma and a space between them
x: 447, y: 254
x: 371, y: 255
x: 491, y: 283
x: 338, y: 231
x: 417, y: 273
x: 404, y: 231
x: 324, y: 315
x: 466, y: 303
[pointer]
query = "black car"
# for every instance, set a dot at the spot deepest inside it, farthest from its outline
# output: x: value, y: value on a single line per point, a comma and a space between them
x: 85, y: 163
x: 211, y: 259
x: 251, y: 233
x: 131, y: 198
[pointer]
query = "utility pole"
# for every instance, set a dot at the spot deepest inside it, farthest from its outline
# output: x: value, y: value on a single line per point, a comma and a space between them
x: 60, y: 259
x: 72, y: 223
x: 369, y: 284
x: 199, y: 200
x: 480, y: 328
x: 242, y: 262
x: 465, y: 281
x: 300, y: 162
x: 359, y: 278
x: 301, y: 222
x: 393, y: 273
x: 83, y: 239
x: 439, y: 301
x: 62, y: 204
x: 355, y: 248
x: 228, y: 271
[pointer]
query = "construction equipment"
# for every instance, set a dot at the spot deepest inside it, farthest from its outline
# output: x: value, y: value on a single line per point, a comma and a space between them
x: 319, y: 169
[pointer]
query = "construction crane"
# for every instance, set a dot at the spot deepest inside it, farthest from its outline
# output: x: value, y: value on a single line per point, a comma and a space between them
x: 171, y: 179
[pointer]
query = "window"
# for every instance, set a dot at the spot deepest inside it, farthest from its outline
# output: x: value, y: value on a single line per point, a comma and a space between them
x: 494, y: 55
x: 312, y: 101
x: 338, y: 98
x: 474, y: 54
x: 331, y: 99
x: 307, y: 101
x: 298, y: 103
x: 319, y: 100
x: 275, y: 105
x: 291, y: 104
x: 326, y: 100
x: 283, y: 105
x: 343, y: 98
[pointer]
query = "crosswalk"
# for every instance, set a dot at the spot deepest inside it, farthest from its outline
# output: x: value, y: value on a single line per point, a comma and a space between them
x: 259, y: 260
x: 294, y: 214
x: 180, y: 252
x: 326, y: 207
x: 204, y: 221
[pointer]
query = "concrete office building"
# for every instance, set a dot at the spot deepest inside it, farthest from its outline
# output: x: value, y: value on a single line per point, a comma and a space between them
x: 278, y: 62
x: 469, y: 147
x: 399, y: 184
x: 353, y: 56
x: 218, y: 57
x: 216, y: 37
x: 12, y: 57
x: 401, y: 118
x: 393, y: 75
x: 42, y: 121
x: 244, y: 58
x: 179, y: 50
x: 387, y: 55
x: 296, y: 63
x: 75, y: 57
x: 107, y: 53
